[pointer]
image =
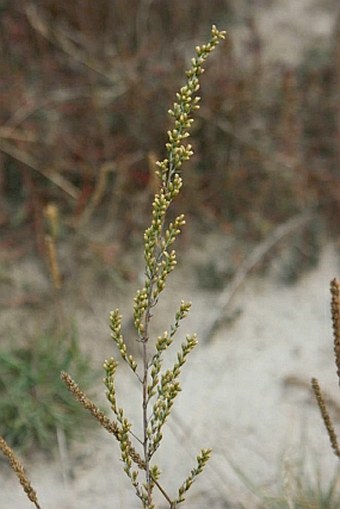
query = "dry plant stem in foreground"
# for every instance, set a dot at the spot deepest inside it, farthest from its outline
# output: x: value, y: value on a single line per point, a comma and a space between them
x: 159, y: 387
x: 19, y: 471
x: 335, y: 312
x: 103, y: 420
x: 325, y: 416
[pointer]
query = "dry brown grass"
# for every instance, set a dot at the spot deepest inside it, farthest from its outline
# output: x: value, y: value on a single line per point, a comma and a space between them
x: 81, y: 119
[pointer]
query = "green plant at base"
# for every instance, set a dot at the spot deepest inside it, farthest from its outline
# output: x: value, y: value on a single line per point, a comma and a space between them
x: 33, y: 401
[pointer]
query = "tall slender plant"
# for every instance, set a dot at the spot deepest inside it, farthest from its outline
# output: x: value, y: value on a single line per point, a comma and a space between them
x: 159, y: 386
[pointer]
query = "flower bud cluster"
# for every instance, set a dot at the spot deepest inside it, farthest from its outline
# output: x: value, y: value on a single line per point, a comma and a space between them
x: 110, y: 366
x: 141, y: 302
x: 183, y: 310
x: 168, y: 388
x: 187, y: 102
x: 163, y: 342
x: 124, y: 443
x: 159, y: 261
x: 202, y: 460
x: 117, y: 336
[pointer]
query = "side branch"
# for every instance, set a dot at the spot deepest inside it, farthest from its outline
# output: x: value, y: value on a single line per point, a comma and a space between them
x: 103, y: 420
x: 226, y: 296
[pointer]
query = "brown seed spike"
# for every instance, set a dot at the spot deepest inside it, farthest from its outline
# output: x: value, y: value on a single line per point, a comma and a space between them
x: 335, y: 311
x: 109, y: 425
x: 19, y: 471
x: 325, y: 416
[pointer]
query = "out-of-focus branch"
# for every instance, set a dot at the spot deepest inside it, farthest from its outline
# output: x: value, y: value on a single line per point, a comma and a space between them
x: 52, y: 176
x: 257, y: 254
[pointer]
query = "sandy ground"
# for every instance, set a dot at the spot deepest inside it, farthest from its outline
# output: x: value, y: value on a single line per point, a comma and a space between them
x: 245, y: 394
x: 288, y: 29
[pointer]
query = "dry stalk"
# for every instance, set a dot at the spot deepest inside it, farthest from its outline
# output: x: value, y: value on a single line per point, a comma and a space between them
x: 18, y: 135
x: 255, y: 257
x: 99, y: 190
x: 51, y: 214
x: 103, y: 420
x: 335, y: 312
x: 53, y: 176
x: 106, y: 423
x: 53, y: 262
x: 57, y: 36
x: 325, y: 416
x: 300, y: 383
x: 19, y: 471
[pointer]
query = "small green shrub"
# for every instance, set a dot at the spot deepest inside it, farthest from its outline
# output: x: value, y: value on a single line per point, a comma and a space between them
x: 34, y: 403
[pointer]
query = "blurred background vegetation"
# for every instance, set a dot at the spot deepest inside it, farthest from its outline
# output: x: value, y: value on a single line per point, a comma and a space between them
x: 84, y: 91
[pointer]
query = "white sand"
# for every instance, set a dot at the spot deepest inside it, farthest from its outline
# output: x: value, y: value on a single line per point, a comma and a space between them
x: 235, y: 400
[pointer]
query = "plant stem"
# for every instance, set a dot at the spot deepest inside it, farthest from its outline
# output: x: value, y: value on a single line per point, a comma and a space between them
x: 145, y: 420
x: 145, y: 340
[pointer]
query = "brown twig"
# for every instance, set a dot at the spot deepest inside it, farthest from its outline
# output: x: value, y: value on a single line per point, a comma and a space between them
x: 106, y: 423
x: 58, y: 96
x: 99, y: 190
x: 59, y: 37
x: 27, y: 160
x: 53, y: 262
x: 103, y: 420
x: 325, y: 416
x: 335, y: 312
x: 301, y: 383
x: 18, y: 135
x: 226, y: 296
